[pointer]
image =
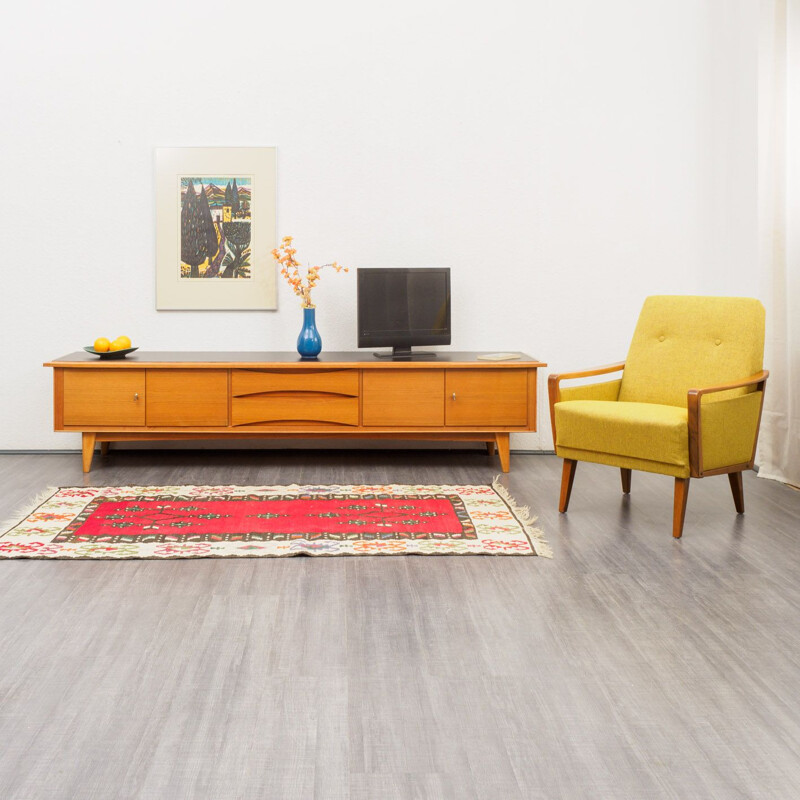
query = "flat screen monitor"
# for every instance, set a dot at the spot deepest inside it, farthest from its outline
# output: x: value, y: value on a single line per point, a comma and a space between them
x: 399, y: 307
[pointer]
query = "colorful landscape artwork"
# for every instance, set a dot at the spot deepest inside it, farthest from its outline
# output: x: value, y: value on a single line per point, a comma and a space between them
x: 215, y: 226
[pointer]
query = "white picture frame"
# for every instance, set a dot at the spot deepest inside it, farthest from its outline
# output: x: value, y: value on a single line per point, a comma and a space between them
x: 227, y: 235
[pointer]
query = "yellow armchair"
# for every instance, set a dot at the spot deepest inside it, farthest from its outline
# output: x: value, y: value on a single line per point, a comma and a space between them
x: 688, y: 403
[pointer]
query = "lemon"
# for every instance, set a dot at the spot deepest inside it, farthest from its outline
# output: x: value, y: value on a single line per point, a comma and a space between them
x: 102, y: 345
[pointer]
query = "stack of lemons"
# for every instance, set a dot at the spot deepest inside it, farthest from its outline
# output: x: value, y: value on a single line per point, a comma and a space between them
x: 103, y: 345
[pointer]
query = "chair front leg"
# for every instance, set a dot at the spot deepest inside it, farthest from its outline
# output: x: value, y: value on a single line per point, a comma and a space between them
x: 626, y: 480
x: 567, y: 479
x: 737, y: 489
x: 679, y: 506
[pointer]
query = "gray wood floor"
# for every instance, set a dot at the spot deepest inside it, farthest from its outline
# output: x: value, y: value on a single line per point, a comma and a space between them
x: 629, y: 666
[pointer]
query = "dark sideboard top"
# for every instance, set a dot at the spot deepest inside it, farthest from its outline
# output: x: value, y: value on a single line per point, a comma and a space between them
x: 253, y: 359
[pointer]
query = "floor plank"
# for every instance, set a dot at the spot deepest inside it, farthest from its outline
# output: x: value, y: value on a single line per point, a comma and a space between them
x: 629, y: 666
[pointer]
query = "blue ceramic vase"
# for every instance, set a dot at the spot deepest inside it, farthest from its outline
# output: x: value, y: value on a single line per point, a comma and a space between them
x: 309, y: 342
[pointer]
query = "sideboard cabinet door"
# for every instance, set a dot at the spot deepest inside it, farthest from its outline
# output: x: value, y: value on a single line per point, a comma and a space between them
x: 408, y: 397
x: 486, y: 397
x: 104, y: 397
x: 186, y: 398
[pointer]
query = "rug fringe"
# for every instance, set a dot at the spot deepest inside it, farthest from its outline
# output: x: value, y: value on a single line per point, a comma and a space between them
x: 523, y: 514
x: 26, y: 509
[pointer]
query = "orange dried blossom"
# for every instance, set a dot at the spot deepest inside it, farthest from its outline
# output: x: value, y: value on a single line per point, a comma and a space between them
x: 290, y: 270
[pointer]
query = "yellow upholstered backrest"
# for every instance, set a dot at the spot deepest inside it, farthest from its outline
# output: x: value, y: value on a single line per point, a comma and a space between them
x: 683, y: 343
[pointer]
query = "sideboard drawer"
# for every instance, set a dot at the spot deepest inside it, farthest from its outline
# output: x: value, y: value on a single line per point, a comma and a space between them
x: 184, y: 398
x: 486, y: 397
x: 331, y: 381
x: 299, y: 407
x: 104, y: 397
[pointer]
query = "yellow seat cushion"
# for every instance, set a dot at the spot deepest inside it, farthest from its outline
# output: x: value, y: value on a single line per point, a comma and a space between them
x: 646, y: 431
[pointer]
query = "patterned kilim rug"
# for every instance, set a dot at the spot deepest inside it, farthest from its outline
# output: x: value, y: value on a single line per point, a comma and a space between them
x: 241, y: 521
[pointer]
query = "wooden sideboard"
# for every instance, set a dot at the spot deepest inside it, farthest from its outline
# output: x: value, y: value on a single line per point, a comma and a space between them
x: 159, y: 395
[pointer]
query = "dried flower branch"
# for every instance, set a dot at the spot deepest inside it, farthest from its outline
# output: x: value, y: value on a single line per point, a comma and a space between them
x: 290, y: 269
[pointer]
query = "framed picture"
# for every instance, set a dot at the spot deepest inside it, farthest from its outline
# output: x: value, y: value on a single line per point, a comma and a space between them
x: 216, y: 227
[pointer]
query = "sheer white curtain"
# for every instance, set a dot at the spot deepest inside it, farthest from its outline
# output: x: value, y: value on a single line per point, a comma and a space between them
x: 779, y: 233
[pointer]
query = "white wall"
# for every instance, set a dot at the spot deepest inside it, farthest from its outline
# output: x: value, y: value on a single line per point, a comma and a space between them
x: 566, y: 159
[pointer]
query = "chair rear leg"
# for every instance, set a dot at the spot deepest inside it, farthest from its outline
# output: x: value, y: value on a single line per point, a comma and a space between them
x: 679, y: 506
x: 737, y: 489
x: 626, y: 480
x: 567, y: 478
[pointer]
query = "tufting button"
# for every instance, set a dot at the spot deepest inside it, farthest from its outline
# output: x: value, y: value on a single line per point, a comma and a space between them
x: 718, y: 341
x: 661, y: 338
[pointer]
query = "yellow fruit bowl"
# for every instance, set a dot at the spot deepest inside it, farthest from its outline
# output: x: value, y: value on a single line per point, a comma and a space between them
x: 110, y: 353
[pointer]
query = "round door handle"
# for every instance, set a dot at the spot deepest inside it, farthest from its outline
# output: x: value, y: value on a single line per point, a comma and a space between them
x: 454, y: 395
x: 136, y: 395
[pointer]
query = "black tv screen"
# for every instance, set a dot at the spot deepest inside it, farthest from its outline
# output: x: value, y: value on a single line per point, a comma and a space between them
x: 402, y: 306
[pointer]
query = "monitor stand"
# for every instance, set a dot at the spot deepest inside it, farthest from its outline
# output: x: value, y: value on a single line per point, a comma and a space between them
x: 406, y: 354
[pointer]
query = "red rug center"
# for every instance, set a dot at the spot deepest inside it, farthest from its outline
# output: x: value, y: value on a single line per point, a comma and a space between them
x: 268, y: 518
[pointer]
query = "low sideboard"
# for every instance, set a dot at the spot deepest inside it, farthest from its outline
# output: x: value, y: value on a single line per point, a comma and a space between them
x: 169, y: 396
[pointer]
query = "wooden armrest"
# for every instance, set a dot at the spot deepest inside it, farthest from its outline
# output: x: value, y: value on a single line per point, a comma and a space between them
x: 587, y: 373
x: 759, y: 377
x: 694, y: 406
x: 554, y: 389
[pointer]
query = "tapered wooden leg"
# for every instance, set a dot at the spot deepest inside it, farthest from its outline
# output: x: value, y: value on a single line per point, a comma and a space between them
x: 88, y: 450
x: 104, y: 448
x: 626, y: 480
x: 490, y: 448
x: 567, y: 479
x: 503, y: 450
x: 737, y: 489
x: 679, y: 506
